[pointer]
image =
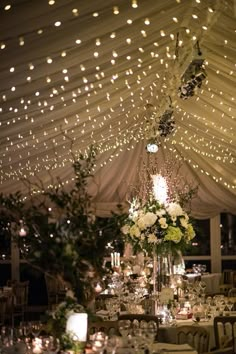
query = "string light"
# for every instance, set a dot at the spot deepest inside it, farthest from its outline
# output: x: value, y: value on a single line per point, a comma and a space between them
x: 136, y: 66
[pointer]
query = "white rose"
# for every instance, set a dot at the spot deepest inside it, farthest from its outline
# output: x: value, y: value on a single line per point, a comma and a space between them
x: 174, y: 209
x: 150, y: 219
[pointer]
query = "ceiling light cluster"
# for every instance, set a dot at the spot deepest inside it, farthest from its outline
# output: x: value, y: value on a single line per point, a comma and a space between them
x: 193, y: 77
x: 167, y: 122
x: 162, y: 126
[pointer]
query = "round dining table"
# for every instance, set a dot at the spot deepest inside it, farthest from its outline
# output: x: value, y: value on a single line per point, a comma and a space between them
x: 167, y: 333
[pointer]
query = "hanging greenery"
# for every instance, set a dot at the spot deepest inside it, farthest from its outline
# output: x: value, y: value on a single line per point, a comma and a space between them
x: 58, y: 233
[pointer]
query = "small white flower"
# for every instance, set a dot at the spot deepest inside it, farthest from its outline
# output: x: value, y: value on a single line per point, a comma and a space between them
x: 186, y: 216
x: 184, y: 223
x: 152, y: 238
x: 142, y: 237
x: 162, y: 222
x: 134, y: 216
x: 125, y: 229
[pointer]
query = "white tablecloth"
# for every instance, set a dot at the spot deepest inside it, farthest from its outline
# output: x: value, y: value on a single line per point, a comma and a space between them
x: 168, y: 333
x: 167, y: 348
x: 173, y: 348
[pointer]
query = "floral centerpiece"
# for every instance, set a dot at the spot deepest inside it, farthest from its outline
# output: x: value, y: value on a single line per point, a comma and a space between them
x: 157, y: 225
x: 57, y: 320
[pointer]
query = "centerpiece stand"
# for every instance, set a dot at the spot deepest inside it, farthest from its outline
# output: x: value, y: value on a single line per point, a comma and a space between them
x: 162, y: 271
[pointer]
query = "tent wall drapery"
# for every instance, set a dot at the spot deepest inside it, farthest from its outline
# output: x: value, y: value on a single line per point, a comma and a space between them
x: 89, y: 80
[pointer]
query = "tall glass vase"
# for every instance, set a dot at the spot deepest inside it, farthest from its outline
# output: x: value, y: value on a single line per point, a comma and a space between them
x: 162, y: 270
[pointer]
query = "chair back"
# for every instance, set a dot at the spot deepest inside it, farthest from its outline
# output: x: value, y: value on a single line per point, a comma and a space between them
x: 196, y: 336
x: 225, y: 331
x: 56, y: 290
x: 108, y: 327
x: 232, y: 292
x: 3, y: 306
x: 227, y: 276
x: 20, y: 293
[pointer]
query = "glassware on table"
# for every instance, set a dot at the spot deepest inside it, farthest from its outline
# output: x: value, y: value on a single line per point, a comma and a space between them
x: 138, y: 340
x: 151, y: 334
x: 112, y: 344
x: 230, y: 305
x: 113, y: 307
x: 36, y: 328
x: 99, y: 342
x: 125, y: 328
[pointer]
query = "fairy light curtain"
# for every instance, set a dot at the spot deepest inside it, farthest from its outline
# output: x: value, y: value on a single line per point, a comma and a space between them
x: 75, y: 73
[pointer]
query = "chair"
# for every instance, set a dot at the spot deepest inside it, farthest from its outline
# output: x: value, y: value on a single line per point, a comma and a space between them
x: 3, y: 305
x: 227, y: 281
x: 225, y: 331
x: 196, y: 336
x: 108, y: 327
x: 232, y: 292
x: 56, y: 290
x: 20, y: 292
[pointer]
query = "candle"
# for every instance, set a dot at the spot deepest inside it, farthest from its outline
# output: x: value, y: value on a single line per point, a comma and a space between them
x: 112, y: 259
x: 77, y: 325
x: 98, y: 288
x: 37, y: 346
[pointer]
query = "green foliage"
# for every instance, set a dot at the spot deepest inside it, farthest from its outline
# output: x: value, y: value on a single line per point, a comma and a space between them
x: 63, y: 237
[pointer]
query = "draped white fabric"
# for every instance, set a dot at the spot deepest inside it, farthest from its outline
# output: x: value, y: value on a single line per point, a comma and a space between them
x: 96, y: 76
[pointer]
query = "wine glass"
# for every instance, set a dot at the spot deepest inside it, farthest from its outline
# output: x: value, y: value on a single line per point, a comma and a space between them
x: 151, y: 334
x: 230, y: 305
x: 36, y: 328
x: 112, y: 344
x: 124, y: 328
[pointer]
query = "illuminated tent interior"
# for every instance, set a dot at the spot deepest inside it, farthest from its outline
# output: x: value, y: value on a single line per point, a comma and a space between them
x: 120, y: 74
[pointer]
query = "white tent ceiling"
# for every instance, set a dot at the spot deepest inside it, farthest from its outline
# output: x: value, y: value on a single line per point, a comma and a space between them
x: 76, y: 73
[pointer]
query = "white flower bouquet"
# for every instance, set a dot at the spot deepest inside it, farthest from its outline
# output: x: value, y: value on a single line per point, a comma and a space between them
x: 155, y: 226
